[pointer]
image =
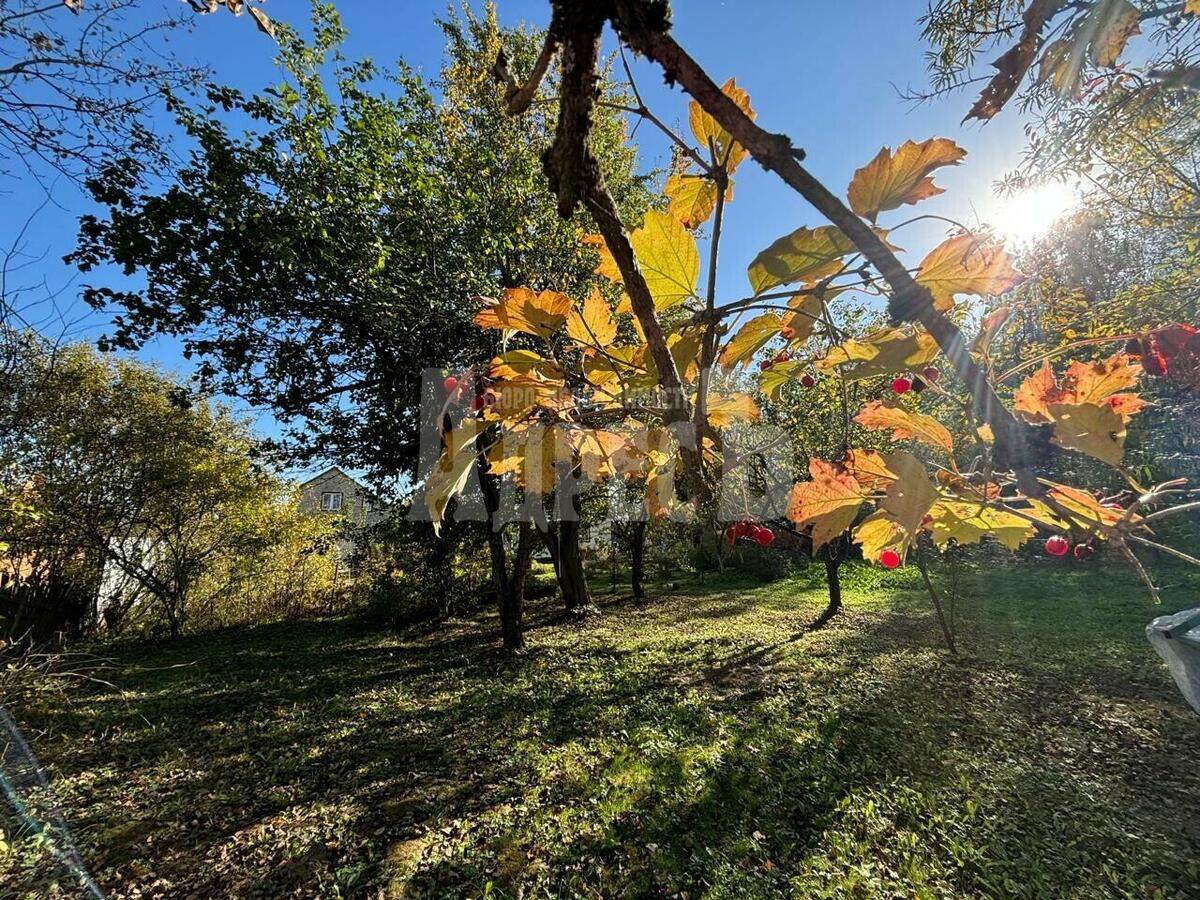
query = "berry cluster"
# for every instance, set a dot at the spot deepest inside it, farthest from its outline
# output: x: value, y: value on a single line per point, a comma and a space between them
x: 455, y: 386
x: 1060, y: 546
x: 760, y: 534
x: 916, y: 383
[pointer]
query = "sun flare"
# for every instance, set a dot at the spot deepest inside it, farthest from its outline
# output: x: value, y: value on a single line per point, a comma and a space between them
x: 1027, y: 215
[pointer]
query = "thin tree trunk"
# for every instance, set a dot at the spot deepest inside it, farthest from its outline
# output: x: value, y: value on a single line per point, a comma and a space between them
x: 571, y: 578
x: 947, y: 634
x: 835, y: 555
x: 509, y: 588
x: 638, y: 558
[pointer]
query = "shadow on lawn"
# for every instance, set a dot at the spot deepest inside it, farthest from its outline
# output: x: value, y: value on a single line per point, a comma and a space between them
x: 294, y: 758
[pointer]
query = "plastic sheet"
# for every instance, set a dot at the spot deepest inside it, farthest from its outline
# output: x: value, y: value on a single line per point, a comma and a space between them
x: 1177, y: 640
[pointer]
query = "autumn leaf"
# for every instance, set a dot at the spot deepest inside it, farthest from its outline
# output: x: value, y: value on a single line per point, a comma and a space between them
x: 807, y: 313
x: 264, y: 23
x: 904, y: 424
x: 602, y: 454
x: 807, y: 254
x: 1111, y: 24
x: 1014, y: 63
x: 869, y: 469
x: 772, y: 379
x: 1091, y: 428
x: 989, y: 327
x: 891, y: 180
x: 594, y: 325
x: 520, y: 363
x: 1061, y: 67
x: 520, y: 309
x: 966, y: 264
x: 1033, y: 395
x: 876, y: 533
x: 607, y: 267
x: 709, y: 133
x: 882, y: 353
x: 749, y: 339
x: 692, y: 198
x: 725, y: 409
x: 910, y: 496
x: 968, y: 523
x: 829, y: 502
x: 667, y: 256
x: 450, y: 473
x: 1084, y: 382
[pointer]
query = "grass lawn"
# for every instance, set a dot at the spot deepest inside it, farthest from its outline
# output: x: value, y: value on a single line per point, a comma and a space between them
x: 696, y: 745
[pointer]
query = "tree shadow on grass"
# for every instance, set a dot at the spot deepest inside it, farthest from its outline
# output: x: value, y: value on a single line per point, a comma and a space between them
x: 652, y: 750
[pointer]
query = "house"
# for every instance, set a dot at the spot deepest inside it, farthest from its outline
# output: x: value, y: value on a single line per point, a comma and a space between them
x: 334, y: 493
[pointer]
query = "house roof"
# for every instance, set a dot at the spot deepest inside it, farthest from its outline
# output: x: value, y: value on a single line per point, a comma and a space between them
x: 332, y: 470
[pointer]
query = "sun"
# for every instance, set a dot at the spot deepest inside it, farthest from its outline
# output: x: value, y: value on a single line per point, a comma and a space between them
x: 1026, y: 215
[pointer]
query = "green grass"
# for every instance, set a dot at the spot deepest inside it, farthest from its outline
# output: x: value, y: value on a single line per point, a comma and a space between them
x: 696, y: 745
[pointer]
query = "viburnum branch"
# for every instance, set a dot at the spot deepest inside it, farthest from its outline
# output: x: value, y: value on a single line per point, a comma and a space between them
x: 642, y: 27
x: 519, y: 97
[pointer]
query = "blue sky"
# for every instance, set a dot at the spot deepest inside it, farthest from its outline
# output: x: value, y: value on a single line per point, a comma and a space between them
x: 824, y: 73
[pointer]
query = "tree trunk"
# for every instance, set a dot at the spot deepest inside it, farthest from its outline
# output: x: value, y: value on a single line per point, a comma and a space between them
x: 835, y: 555
x: 638, y: 558
x: 571, y: 579
x: 509, y: 588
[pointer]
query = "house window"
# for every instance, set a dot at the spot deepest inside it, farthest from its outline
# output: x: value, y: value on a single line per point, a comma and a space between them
x: 331, y: 501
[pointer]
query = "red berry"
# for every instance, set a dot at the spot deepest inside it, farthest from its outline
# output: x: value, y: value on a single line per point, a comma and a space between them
x: 1084, y: 551
x: 1155, y: 363
x: 931, y: 374
x: 477, y: 402
x: 807, y: 380
x: 782, y: 356
x: 451, y: 384
x: 765, y: 364
x: 787, y: 332
x: 1057, y: 545
x: 742, y: 529
x: 889, y: 559
x: 764, y: 536
x: 901, y: 385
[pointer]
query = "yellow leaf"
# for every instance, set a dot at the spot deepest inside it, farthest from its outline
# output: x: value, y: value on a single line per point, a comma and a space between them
x: 684, y: 350
x: 750, y: 338
x: 969, y: 523
x: 594, y: 326
x: 1061, y: 66
x: 829, y: 502
x: 692, y: 198
x: 891, y: 180
x: 263, y: 21
x: 807, y: 254
x: 725, y: 409
x: 966, y: 264
x: 1192, y: 7
x: 601, y: 453
x: 772, y: 379
x: 449, y: 475
x: 801, y: 323
x: 520, y: 309
x: 882, y: 353
x: 1091, y: 428
x: 520, y: 363
x: 709, y: 134
x: 876, y: 533
x: 668, y: 258
x: 905, y: 424
x: 1084, y: 382
x: 1111, y: 24
x: 869, y: 469
x: 532, y: 456
x: 911, y: 495
x: 607, y: 267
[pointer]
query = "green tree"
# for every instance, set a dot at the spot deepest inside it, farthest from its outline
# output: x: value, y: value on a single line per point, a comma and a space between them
x: 317, y: 262
x: 127, y: 488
